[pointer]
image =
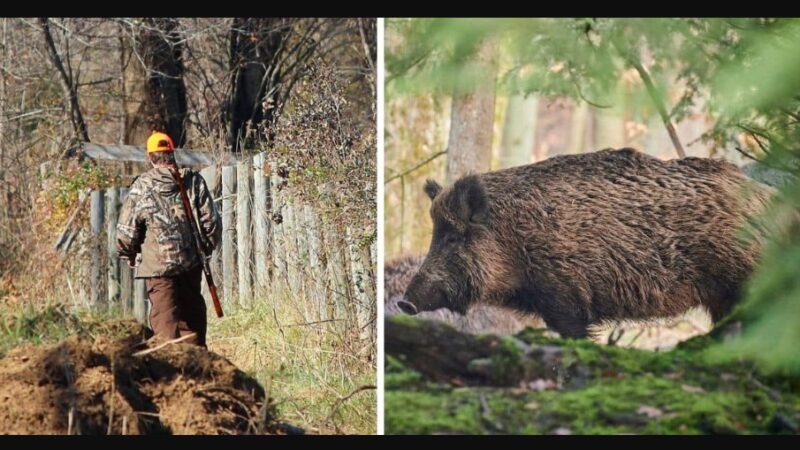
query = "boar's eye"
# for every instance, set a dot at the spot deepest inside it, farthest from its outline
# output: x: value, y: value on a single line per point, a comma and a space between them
x: 451, y: 238
x: 445, y: 233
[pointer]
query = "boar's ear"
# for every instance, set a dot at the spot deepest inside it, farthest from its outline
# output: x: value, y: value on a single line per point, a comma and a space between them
x: 432, y: 188
x: 471, y: 204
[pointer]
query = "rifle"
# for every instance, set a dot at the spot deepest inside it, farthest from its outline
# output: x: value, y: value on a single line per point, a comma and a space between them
x: 212, y: 288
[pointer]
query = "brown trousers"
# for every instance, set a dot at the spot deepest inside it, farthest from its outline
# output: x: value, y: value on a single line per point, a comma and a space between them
x: 177, y: 307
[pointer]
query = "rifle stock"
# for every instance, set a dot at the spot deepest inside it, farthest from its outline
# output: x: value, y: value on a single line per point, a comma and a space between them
x: 187, y: 206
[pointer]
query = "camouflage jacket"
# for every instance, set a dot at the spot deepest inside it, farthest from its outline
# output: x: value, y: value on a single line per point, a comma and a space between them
x: 153, y: 222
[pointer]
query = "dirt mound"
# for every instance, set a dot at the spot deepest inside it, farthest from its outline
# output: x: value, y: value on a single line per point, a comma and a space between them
x: 101, y: 386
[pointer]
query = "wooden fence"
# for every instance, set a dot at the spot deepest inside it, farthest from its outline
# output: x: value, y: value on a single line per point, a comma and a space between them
x: 275, y: 248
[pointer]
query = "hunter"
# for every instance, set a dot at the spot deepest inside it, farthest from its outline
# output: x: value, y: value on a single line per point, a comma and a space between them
x: 153, y: 222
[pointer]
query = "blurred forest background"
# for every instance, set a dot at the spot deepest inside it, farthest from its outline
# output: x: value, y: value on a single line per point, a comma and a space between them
x: 483, y: 94
x: 300, y: 88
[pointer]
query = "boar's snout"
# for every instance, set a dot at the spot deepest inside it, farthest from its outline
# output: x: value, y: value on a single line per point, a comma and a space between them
x: 407, y: 307
x: 423, y: 298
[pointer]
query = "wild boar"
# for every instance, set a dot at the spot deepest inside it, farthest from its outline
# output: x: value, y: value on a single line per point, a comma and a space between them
x: 591, y: 238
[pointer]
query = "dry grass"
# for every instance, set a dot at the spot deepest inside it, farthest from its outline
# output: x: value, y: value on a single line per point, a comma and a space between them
x: 308, y: 369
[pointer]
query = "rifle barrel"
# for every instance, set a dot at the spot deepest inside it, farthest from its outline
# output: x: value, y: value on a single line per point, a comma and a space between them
x: 212, y: 288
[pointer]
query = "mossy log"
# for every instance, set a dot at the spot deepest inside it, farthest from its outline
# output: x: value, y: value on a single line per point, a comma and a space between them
x: 443, y: 353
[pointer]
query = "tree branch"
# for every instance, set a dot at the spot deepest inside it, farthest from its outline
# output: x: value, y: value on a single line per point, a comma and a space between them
x: 402, y: 174
x: 67, y: 85
x: 655, y: 97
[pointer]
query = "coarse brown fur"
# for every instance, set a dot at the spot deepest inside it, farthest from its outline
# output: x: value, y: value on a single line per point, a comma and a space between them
x: 584, y: 239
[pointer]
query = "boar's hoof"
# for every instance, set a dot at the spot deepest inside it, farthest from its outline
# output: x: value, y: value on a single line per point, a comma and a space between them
x: 407, y: 307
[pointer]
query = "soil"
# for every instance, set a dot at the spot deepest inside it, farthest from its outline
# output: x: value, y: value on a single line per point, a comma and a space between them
x: 100, y: 385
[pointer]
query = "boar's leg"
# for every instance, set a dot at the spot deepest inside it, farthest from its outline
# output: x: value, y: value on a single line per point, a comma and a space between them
x: 719, y: 296
x: 567, y: 326
x: 564, y: 313
x: 719, y: 308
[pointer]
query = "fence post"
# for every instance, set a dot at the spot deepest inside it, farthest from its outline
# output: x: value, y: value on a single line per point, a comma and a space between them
x: 228, y: 233
x: 301, y: 258
x: 209, y: 175
x: 317, y: 272
x: 112, y: 216
x: 295, y: 289
x: 125, y: 273
x: 261, y: 222
x: 140, y: 307
x: 361, y: 285
x: 279, y: 274
x: 372, y: 256
x: 96, y: 221
x: 126, y: 289
x: 244, y: 239
x: 371, y: 290
x: 337, y: 271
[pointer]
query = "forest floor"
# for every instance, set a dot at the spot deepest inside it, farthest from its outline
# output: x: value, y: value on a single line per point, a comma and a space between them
x: 441, y: 381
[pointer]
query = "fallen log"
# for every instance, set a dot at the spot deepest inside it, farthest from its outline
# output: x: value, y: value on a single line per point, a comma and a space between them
x: 445, y: 354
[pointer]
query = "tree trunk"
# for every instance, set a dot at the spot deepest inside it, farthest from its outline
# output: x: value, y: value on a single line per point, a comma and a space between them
x: 3, y: 105
x: 123, y: 100
x: 254, y: 46
x: 161, y: 49
x: 68, y: 84
x: 610, y: 129
x: 577, y: 132
x: 469, y: 145
x: 368, y: 30
x: 519, y: 131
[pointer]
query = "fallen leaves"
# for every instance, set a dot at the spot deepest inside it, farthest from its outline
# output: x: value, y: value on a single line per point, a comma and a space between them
x: 532, y: 406
x: 692, y: 389
x: 650, y: 411
x: 542, y: 385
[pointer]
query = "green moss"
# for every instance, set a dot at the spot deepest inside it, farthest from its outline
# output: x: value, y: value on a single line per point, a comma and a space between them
x: 538, y: 336
x: 506, y: 360
x: 429, y: 413
x: 623, y: 391
x: 610, y: 406
x: 398, y: 376
x: 406, y: 320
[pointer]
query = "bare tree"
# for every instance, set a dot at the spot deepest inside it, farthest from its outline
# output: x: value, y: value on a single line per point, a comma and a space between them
x: 161, y: 49
x: 269, y: 56
x: 69, y: 85
x: 255, y: 47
